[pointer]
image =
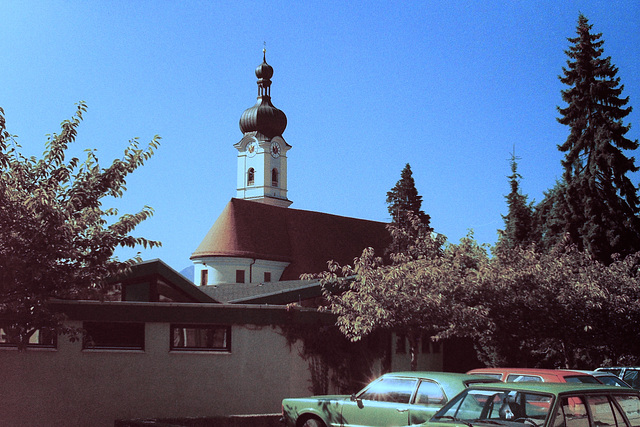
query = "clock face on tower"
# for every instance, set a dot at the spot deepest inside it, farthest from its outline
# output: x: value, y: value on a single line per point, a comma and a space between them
x: 252, y: 149
x: 275, y: 150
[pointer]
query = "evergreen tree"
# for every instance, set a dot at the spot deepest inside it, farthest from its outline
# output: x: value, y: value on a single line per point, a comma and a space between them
x: 597, y: 206
x: 408, y: 221
x: 519, y: 221
x: 404, y: 197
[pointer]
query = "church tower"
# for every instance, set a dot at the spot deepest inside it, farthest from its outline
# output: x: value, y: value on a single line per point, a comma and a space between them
x: 262, y: 151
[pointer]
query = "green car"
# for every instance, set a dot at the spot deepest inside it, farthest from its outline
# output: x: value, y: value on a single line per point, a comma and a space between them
x: 395, y: 399
x: 541, y: 405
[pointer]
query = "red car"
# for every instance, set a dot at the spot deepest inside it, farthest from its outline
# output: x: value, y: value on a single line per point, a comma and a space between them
x: 536, y: 375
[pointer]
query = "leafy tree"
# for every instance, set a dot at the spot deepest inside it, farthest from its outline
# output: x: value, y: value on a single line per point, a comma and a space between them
x: 597, y: 207
x: 56, y: 239
x: 557, y: 309
x: 404, y: 204
x: 413, y: 297
x: 519, y: 222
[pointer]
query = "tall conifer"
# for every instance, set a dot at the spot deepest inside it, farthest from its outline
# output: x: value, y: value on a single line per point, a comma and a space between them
x: 597, y: 206
x: 518, y: 223
x: 409, y: 224
x: 403, y: 198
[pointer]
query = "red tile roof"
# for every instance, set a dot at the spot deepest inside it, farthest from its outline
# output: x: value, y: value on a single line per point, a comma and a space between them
x: 306, y: 239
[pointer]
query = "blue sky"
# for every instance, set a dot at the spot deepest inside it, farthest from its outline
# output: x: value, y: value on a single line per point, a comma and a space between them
x: 447, y: 86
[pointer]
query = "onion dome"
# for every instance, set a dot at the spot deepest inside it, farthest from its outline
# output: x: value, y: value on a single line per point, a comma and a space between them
x: 264, y: 117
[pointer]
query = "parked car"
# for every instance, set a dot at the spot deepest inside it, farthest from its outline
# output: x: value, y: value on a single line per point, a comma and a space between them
x: 629, y: 374
x: 537, y: 375
x: 541, y: 405
x: 608, y: 378
x: 394, y: 399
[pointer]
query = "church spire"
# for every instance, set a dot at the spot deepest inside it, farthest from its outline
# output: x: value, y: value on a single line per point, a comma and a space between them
x: 262, y: 151
x: 263, y: 117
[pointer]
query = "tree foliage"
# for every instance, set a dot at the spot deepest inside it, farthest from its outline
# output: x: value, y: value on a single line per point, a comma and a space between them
x: 56, y: 239
x: 596, y: 205
x: 557, y: 309
x: 521, y: 307
x: 413, y: 297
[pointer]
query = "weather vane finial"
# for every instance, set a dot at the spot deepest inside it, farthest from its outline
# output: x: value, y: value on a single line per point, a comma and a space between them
x: 264, y: 51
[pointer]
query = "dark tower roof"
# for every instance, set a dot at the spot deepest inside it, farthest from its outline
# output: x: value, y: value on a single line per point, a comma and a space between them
x: 263, y: 117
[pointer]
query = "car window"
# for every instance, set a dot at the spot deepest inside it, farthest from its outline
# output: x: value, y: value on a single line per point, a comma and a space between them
x: 430, y: 393
x: 614, y: 371
x: 585, y: 379
x: 630, y: 404
x: 488, y: 374
x: 572, y: 412
x: 477, y: 405
x: 474, y: 405
x: 612, y: 380
x: 631, y: 377
x: 397, y: 390
x: 603, y: 412
x: 516, y: 378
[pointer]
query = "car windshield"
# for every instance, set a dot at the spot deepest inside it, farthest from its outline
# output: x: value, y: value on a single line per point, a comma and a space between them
x: 506, y: 407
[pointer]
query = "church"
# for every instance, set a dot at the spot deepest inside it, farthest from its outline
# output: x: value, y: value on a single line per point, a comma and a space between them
x: 220, y: 344
x: 258, y: 238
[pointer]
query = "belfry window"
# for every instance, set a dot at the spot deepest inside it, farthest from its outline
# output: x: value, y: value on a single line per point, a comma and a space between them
x: 251, y: 176
x: 274, y: 177
x: 204, y: 277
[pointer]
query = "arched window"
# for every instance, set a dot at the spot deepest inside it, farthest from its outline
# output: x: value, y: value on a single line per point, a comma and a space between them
x: 274, y: 177
x: 251, y: 176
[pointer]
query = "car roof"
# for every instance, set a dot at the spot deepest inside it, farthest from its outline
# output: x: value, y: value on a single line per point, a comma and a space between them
x: 599, y: 373
x: 555, y: 388
x: 530, y: 371
x: 431, y: 375
x: 604, y: 368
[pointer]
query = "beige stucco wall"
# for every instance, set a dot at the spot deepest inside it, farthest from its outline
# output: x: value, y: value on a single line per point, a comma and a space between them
x: 72, y: 387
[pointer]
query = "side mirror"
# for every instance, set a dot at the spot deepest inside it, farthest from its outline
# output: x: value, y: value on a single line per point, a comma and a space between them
x: 358, y: 401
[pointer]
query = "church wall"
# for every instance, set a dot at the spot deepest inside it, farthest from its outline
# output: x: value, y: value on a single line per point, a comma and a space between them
x: 223, y: 269
x: 71, y: 386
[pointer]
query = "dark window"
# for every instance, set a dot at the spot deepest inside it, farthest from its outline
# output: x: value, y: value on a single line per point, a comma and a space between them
x: 239, y: 276
x: 113, y: 335
x: 425, y: 341
x: 40, y: 338
x: 587, y: 379
x: 436, y: 346
x: 274, y: 177
x: 201, y: 337
x: 632, y: 378
x: 251, y: 176
x: 267, y: 276
x: 401, y: 344
x: 204, y: 277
